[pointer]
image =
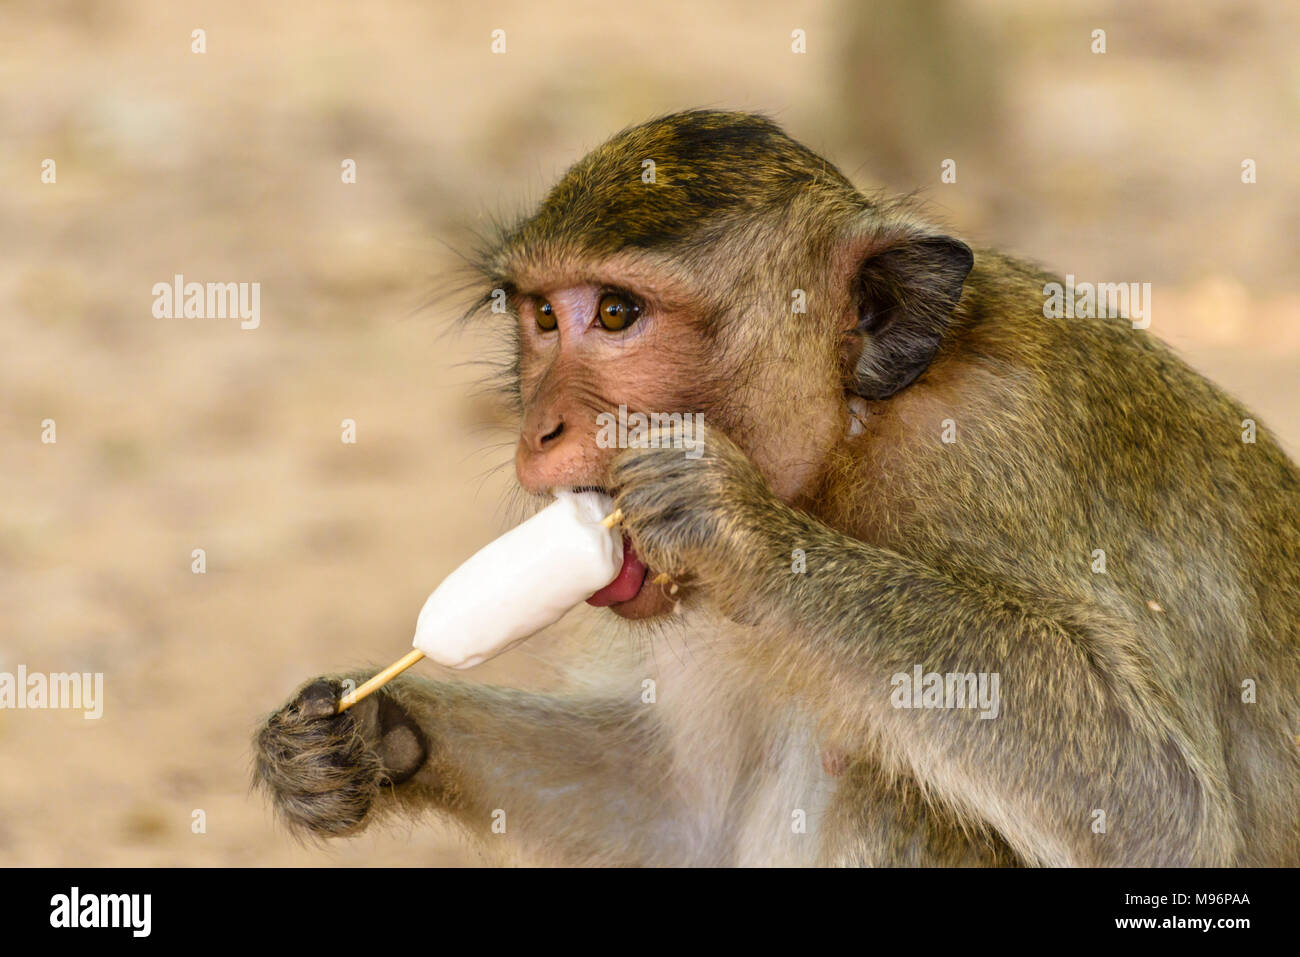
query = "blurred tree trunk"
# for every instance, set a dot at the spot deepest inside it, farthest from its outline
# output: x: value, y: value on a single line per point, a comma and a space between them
x: 922, y: 81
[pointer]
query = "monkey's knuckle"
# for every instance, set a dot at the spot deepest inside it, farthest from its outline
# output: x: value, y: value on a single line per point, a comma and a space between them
x: 632, y: 467
x: 648, y: 461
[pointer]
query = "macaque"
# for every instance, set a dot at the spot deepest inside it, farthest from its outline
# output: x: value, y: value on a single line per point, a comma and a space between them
x: 869, y: 603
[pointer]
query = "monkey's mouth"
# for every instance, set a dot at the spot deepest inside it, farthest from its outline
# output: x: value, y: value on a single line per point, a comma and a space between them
x: 627, y: 584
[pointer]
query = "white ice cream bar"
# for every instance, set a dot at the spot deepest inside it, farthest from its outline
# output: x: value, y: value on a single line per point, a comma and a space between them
x: 525, y: 580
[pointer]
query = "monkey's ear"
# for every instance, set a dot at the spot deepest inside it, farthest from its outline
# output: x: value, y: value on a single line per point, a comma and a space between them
x: 903, y: 294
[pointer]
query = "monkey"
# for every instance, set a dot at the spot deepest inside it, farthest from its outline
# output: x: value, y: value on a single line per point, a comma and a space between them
x: 907, y: 468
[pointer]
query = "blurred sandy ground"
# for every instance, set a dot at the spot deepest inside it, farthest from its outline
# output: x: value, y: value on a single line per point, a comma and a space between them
x: 182, y: 434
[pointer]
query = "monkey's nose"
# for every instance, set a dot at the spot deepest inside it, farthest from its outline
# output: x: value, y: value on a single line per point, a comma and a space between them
x: 555, y: 454
x: 544, y: 437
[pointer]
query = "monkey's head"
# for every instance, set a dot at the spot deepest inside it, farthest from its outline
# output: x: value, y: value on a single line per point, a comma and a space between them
x: 707, y: 263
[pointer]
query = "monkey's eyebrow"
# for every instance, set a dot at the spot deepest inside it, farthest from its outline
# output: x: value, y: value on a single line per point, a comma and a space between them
x: 649, y: 296
x: 515, y: 292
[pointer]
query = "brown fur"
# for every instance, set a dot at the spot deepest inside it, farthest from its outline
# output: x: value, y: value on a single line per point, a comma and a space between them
x: 1121, y: 691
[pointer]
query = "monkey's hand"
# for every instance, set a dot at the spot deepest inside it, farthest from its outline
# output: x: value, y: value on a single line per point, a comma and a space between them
x: 324, y: 771
x: 691, y: 513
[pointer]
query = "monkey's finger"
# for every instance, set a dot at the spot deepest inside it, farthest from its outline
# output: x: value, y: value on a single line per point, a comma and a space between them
x: 318, y: 700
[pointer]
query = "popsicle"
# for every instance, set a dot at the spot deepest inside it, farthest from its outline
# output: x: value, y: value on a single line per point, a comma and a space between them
x: 515, y: 586
x: 523, y: 581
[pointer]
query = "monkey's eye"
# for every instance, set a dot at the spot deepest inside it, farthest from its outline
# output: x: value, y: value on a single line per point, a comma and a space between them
x: 545, y: 316
x: 617, y: 311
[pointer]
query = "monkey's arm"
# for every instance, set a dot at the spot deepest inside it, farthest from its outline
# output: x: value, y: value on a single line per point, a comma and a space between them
x: 563, y: 779
x: 1083, y: 725
x: 571, y: 779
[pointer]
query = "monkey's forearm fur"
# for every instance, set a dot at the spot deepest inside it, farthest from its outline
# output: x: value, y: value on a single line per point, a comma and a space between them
x: 532, y: 764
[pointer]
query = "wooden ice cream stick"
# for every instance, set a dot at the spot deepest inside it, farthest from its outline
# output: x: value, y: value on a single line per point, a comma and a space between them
x: 381, y: 679
x: 414, y: 655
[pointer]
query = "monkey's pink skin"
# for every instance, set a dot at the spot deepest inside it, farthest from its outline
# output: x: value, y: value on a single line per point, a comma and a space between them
x: 523, y: 581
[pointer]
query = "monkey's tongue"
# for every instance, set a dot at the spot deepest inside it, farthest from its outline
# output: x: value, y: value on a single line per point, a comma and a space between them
x: 628, y: 582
